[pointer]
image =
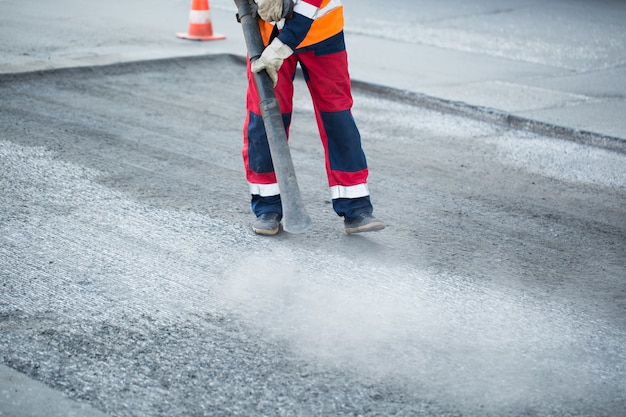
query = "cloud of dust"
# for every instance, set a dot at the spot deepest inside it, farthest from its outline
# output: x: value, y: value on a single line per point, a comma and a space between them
x: 442, y: 338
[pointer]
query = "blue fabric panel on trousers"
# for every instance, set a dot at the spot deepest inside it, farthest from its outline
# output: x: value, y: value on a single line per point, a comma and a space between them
x: 261, y: 205
x: 352, y: 207
x: 260, y: 158
x: 344, y: 142
x: 258, y: 147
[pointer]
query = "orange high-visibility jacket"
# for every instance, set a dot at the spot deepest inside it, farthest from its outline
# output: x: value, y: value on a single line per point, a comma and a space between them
x: 312, y: 21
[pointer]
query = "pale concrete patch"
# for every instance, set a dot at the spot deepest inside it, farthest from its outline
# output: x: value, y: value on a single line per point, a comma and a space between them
x: 511, y: 97
x: 605, y: 117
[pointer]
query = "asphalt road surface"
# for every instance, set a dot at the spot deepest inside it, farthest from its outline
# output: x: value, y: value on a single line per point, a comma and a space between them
x: 562, y: 62
x: 132, y: 282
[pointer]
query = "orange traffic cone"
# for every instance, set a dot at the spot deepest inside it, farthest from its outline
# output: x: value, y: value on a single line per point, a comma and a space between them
x: 200, y: 27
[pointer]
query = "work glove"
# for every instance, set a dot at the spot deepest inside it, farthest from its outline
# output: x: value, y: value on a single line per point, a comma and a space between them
x: 272, y: 58
x: 270, y: 10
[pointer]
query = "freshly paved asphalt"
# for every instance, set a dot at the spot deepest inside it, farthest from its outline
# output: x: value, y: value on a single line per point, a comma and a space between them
x: 557, y: 69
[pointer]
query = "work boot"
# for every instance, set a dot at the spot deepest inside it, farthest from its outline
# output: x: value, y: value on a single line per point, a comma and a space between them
x: 364, y: 222
x: 267, y: 224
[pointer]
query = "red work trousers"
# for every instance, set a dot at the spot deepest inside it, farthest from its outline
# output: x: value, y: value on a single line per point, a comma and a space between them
x: 328, y: 81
